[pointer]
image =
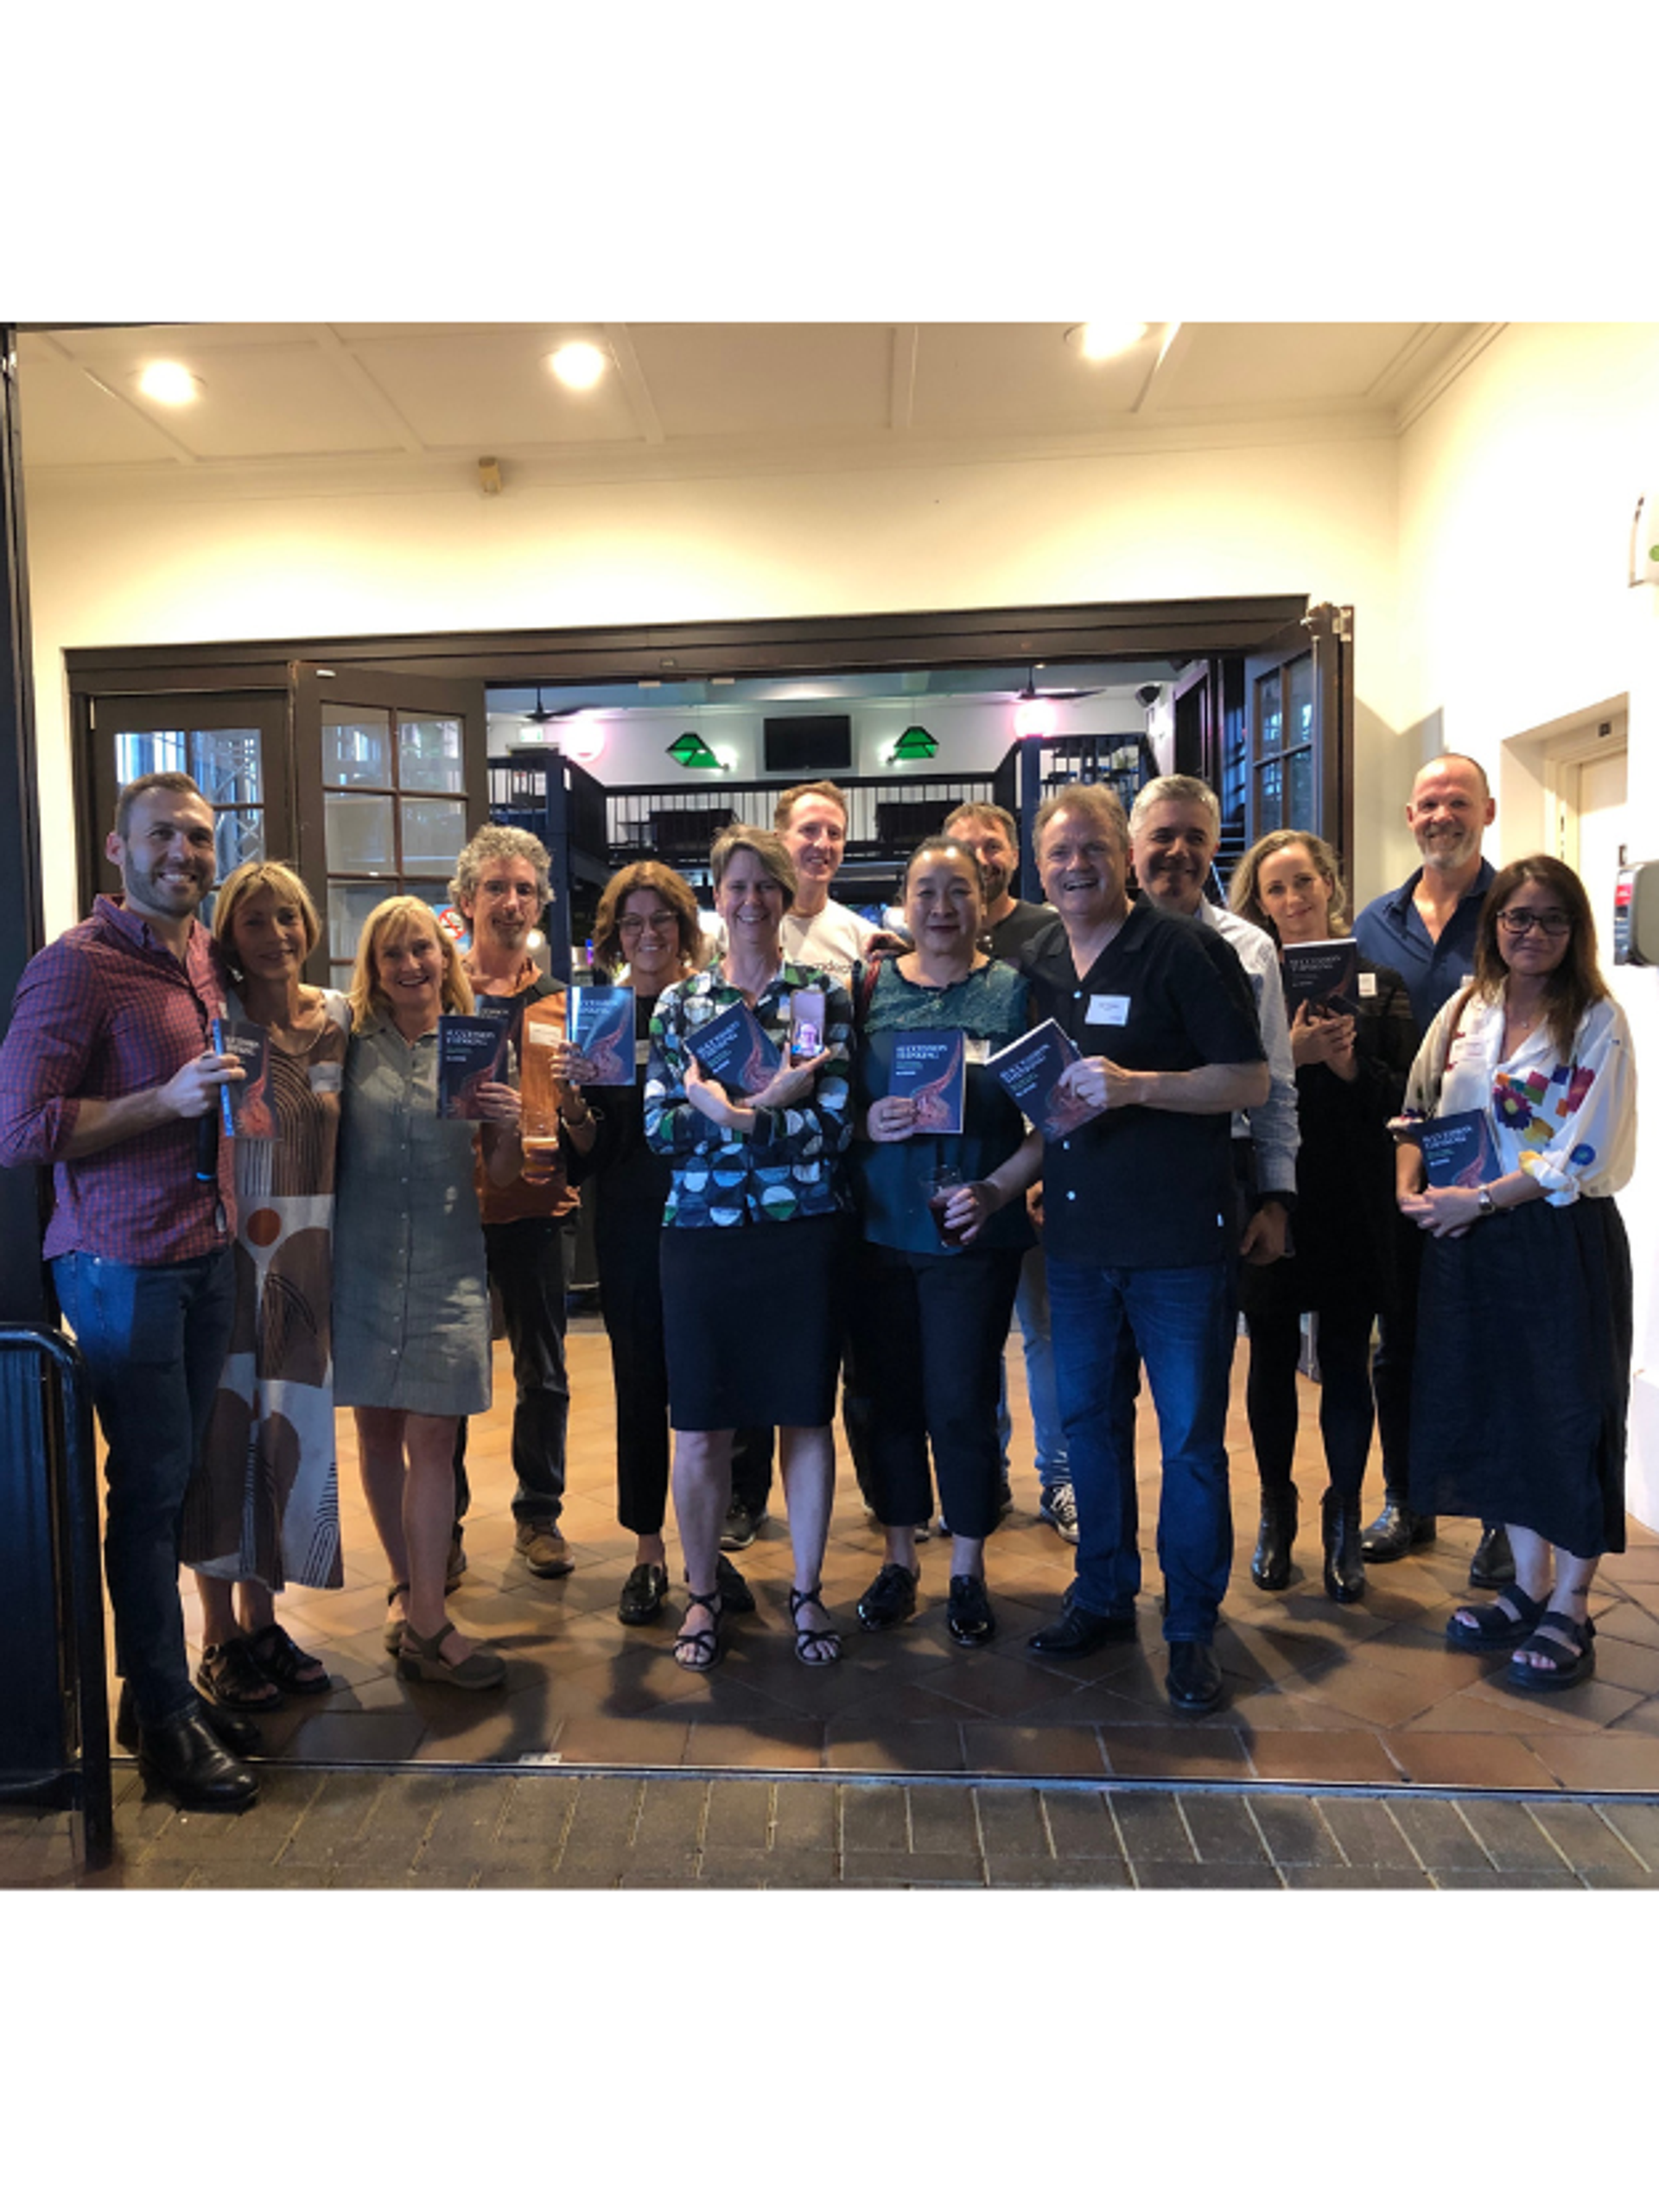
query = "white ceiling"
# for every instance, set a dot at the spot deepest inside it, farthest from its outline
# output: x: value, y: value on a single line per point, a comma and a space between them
x: 392, y: 398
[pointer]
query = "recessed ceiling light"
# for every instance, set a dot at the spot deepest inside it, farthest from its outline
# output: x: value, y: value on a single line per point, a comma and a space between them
x: 170, y: 383
x: 580, y: 365
x: 1099, y: 342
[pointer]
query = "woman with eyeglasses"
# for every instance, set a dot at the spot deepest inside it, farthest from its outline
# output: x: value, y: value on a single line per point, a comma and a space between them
x: 752, y: 1237
x: 1524, y: 1350
x: 1352, y: 1058
x: 647, y: 932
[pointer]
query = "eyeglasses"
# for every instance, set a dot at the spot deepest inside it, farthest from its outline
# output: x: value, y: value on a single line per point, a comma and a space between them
x: 631, y: 924
x: 1519, y: 920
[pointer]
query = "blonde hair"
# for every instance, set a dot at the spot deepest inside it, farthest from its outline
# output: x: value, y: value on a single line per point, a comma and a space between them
x: 240, y: 886
x: 1244, y: 897
x: 368, y: 999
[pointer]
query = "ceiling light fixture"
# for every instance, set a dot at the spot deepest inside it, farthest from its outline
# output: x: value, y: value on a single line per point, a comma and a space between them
x: 582, y: 741
x: 170, y: 383
x: 691, y: 752
x: 579, y: 365
x: 1102, y: 341
x: 916, y: 744
x: 1035, y: 717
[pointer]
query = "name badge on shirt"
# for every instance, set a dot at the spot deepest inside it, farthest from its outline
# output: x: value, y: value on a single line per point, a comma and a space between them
x: 976, y: 1050
x: 1107, y: 1012
x: 326, y: 1076
x: 1368, y: 986
x: 641, y: 1050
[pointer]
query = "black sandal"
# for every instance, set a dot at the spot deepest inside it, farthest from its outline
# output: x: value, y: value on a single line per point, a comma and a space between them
x: 698, y: 1650
x: 806, y: 1637
x: 1567, y: 1663
x: 392, y: 1635
x: 282, y: 1661
x: 1490, y: 1627
x: 231, y: 1676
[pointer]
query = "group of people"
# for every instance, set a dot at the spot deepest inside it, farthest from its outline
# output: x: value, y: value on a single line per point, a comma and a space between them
x: 761, y: 1248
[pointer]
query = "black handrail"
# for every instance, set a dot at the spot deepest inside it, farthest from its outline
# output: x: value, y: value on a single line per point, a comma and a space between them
x: 84, y: 1781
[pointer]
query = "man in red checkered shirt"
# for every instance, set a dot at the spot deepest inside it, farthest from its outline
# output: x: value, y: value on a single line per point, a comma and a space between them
x: 108, y: 1074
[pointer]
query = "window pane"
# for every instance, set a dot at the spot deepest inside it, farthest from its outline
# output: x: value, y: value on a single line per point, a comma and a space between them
x: 225, y: 764
x: 238, y: 835
x: 429, y: 755
x: 357, y: 835
x: 149, y: 753
x: 1269, y: 714
x: 434, y: 829
x: 349, y: 906
x: 1269, y: 797
x: 1300, y: 676
x: 357, y: 746
x: 1299, y: 768
x: 437, y: 895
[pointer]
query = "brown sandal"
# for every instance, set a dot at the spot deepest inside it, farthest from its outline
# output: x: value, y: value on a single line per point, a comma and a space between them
x: 420, y: 1659
x: 392, y: 1635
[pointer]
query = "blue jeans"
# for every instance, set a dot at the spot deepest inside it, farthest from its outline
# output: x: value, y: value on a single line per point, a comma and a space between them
x: 1181, y: 1322
x: 154, y: 1341
x: 1031, y: 1311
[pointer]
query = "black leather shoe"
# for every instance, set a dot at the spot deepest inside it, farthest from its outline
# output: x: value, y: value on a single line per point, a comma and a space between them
x: 735, y: 1594
x: 890, y: 1598
x: 1493, y: 1565
x: 1193, y: 1682
x: 1395, y: 1531
x: 1077, y: 1631
x: 1270, y: 1568
x: 1344, y: 1571
x: 186, y: 1758
x: 233, y: 1730
x: 642, y: 1594
x: 967, y: 1613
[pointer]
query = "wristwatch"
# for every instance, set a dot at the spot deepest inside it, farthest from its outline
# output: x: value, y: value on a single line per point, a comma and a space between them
x: 1485, y: 1201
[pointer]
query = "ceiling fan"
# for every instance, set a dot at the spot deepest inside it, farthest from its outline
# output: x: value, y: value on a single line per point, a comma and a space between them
x: 538, y: 714
x: 1032, y: 692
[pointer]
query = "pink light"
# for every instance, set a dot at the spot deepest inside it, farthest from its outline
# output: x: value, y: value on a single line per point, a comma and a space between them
x: 583, y: 742
x: 1035, y: 718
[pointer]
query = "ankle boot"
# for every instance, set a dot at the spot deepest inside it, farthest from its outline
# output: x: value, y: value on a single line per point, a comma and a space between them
x: 1270, y: 1568
x: 1345, y: 1568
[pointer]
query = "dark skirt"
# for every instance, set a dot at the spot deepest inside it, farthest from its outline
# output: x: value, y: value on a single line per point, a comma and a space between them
x: 752, y: 1323
x: 1522, y: 1374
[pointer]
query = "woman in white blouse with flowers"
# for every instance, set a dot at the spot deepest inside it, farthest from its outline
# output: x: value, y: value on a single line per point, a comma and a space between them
x: 1524, y: 1363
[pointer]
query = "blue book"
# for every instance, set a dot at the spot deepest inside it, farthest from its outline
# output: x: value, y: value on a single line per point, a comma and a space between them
x: 1324, y: 976
x: 1028, y: 1070
x: 1460, y: 1151
x: 931, y: 1067
x: 472, y: 1048
x: 245, y: 1108
x: 601, y: 1030
x: 736, y: 1050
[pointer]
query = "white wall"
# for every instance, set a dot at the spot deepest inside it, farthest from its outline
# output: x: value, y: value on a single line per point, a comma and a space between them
x: 1516, y: 491
x: 180, y: 563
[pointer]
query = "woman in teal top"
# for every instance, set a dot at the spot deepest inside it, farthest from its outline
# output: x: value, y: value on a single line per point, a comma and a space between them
x: 936, y: 1283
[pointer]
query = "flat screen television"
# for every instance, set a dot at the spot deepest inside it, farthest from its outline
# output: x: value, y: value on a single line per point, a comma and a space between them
x: 807, y: 745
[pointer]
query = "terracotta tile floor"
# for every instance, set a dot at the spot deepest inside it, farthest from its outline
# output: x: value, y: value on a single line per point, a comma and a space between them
x: 1366, y: 1695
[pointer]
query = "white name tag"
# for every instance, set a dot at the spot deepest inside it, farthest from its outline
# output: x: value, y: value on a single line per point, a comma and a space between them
x: 976, y: 1050
x: 1368, y: 986
x: 1109, y: 1012
x: 641, y: 1050
x: 326, y: 1076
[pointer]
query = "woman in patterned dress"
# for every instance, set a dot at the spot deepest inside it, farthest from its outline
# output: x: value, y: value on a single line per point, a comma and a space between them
x: 750, y: 1249
x: 263, y: 1508
x: 1523, y: 1373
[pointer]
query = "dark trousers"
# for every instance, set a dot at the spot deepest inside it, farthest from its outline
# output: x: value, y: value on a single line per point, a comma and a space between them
x: 928, y: 1330
x: 526, y: 1262
x: 631, y: 1300
x: 154, y: 1340
x: 1342, y: 1346
x: 1396, y: 1346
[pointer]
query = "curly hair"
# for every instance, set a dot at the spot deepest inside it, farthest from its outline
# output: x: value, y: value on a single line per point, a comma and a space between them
x: 497, y: 842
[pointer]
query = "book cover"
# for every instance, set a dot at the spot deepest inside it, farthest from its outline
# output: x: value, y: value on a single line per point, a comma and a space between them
x: 931, y: 1067
x: 245, y: 1108
x: 1460, y: 1151
x: 471, y: 1050
x: 736, y: 1050
x: 1324, y: 976
x: 1028, y: 1070
x: 601, y: 1029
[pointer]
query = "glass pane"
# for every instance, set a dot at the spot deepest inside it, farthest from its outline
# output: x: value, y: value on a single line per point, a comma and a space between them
x: 1299, y: 769
x: 149, y: 753
x: 357, y: 835
x: 434, y: 829
x: 437, y: 895
x: 357, y: 746
x: 428, y: 756
x: 1300, y: 676
x: 349, y: 906
x: 225, y: 764
x: 238, y: 835
x: 1269, y: 797
x: 1269, y: 714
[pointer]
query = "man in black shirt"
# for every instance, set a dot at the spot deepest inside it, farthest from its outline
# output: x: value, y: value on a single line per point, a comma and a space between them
x: 1139, y: 1206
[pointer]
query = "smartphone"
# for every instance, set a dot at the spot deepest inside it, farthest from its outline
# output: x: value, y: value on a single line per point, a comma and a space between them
x: 805, y: 1024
